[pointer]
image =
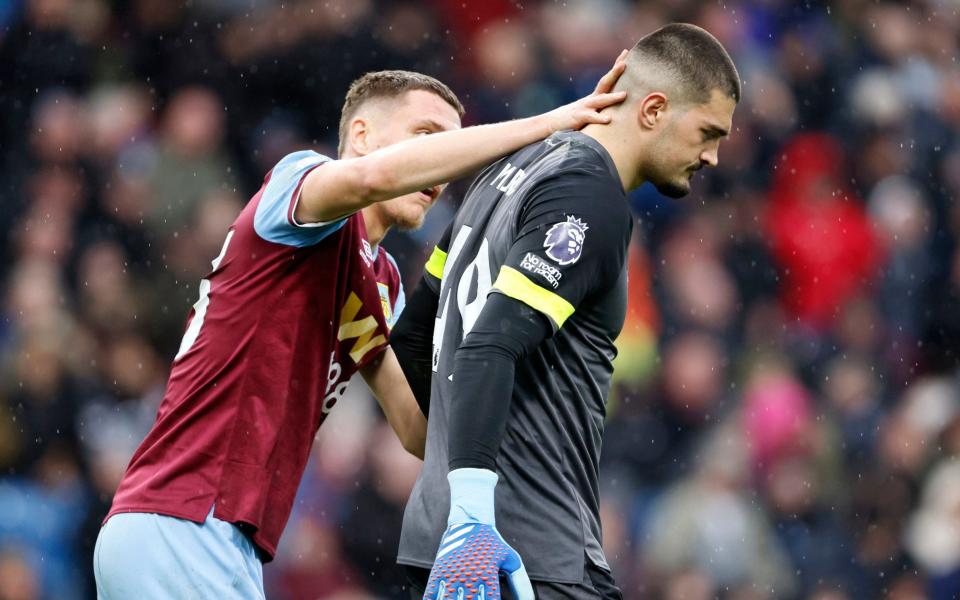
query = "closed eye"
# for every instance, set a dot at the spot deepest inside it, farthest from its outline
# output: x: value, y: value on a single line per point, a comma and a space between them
x: 713, y: 133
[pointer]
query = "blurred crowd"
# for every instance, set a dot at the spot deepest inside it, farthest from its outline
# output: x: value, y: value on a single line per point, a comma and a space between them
x: 785, y: 422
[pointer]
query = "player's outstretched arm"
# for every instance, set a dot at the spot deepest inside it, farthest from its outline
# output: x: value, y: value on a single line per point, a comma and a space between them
x: 390, y: 387
x: 345, y: 186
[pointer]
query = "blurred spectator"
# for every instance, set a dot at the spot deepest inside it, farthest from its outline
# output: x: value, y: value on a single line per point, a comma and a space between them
x: 656, y: 433
x: 41, y: 521
x: 506, y: 58
x: 697, y: 290
x: 707, y: 522
x: 934, y: 530
x: 18, y: 580
x: 811, y: 531
x: 777, y: 417
x: 821, y: 238
x: 900, y: 213
x: 943, y: 323
x: 58, y: 129
x: 189, y: 162
x: 636, y: 346
x: 852, y: 395
x: 119, y: 115
x: 371, y: 532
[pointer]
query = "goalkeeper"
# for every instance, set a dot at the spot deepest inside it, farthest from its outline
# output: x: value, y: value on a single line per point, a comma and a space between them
x: 521, y: 303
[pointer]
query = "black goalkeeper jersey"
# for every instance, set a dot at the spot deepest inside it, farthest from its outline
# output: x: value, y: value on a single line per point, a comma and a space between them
x: 548, y: 225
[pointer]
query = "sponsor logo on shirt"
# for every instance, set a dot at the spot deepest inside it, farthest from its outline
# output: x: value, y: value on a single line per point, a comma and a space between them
x: 353, y: 326
x: 536, y: 265
x: 336, y: 387
x: 564, y: 242
x: 366, y: 253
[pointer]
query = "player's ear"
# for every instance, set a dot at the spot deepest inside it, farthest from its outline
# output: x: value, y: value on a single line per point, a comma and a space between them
x: 358, y: 136
x: 652, y: 109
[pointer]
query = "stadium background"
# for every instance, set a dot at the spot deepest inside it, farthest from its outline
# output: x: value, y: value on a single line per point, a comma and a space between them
x: 785, y: 422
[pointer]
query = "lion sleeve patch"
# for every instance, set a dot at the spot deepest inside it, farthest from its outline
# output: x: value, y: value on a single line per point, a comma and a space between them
x: 547, y: 265
x: 564, y: 240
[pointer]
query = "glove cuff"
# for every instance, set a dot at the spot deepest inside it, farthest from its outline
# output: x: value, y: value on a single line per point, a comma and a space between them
x: 471, y: 496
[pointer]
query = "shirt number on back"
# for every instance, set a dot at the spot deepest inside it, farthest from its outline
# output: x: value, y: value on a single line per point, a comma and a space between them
x: 200, y: 308
x: 478, y: 270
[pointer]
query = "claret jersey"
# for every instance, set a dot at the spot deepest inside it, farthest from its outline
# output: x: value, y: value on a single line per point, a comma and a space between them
x: 287, y: 315
x: 549, y: 226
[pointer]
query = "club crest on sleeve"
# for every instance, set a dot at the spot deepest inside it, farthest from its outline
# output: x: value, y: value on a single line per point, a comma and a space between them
x: 564, y: 241
x: 384, y: 290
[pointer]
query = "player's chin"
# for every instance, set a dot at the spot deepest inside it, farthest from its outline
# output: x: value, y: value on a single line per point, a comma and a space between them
x: 677, y: 188
x: 410, y: 218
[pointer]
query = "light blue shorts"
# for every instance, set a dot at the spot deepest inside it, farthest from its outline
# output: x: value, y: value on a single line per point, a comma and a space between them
x: 156, y: 557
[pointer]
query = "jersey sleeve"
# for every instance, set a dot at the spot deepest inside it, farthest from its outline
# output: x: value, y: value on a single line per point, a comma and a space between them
x: 274, y: 220
x: 572, y: 239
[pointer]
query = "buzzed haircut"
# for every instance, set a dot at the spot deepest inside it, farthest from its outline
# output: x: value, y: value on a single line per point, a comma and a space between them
x: 685, y: 59
x: 389, y: 84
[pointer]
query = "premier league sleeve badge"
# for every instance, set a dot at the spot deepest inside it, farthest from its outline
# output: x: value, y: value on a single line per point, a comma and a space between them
x: 564, y: 242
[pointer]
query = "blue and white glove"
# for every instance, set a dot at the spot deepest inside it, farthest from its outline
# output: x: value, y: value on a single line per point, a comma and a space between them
x: 472, y: 553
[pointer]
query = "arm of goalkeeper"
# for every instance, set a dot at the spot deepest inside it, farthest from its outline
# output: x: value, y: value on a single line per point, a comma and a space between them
x: 472, y: 552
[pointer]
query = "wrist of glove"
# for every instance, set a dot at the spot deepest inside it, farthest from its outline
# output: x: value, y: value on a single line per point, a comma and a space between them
x: 472, y: 496
x: 472, y: 552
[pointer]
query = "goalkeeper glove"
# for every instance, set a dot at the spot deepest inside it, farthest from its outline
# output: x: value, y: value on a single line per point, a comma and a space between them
x: 472, y: 553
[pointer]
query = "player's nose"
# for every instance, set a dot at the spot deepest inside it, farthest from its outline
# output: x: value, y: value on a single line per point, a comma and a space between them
x: 710, y: 157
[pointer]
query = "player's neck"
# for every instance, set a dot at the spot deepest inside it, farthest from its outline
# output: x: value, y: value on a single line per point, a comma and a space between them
x: 620, y: 150
x: 377, y: 227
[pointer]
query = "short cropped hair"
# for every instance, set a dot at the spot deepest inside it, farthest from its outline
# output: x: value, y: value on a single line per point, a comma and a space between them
x: 687, y: 59
x: 389, y: 84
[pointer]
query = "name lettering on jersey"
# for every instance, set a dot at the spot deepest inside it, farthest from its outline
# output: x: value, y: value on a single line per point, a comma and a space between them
x: 509, y: 179
x: 536, y: 265
x: 361, y: 329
